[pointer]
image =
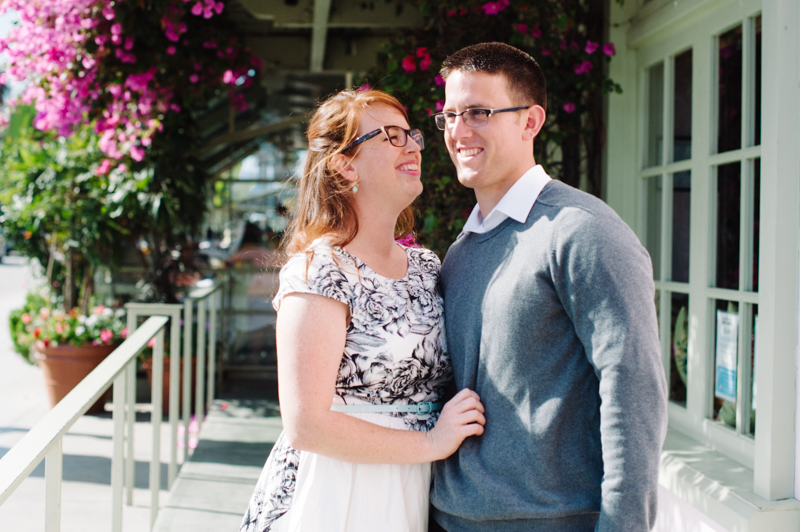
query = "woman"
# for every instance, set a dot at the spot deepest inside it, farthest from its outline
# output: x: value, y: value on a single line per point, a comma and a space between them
x: 360, y: 326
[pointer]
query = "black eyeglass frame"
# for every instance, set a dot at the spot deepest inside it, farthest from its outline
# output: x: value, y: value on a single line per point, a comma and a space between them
x: 415, y: 134
x: 489, y: 112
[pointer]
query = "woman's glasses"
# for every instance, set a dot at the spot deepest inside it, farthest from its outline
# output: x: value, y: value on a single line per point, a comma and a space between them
x: 471, y: 117
x: 397, y: 137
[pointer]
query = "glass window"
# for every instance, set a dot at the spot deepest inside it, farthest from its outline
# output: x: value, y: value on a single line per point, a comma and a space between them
x: 729, y: 194
x: 679, y: 342
x: 757, y: 91
x: 756, y: 218
x: 682, y: 108
x: 726, y: 349
x: 681, y: 217
x: 655, y: 115
x: 753, y: 372
x: 653, y: 237
x: 729, y: 132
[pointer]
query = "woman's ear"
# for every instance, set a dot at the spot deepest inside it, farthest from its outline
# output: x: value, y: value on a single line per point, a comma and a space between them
x: 535, y: 120
x: 344, y: 166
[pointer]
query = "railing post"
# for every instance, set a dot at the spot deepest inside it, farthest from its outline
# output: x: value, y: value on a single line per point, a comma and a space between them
x: 174, y: 387
x: 130, y: 389
x: 188, y: 323
x: 212, y: 346
x: 199, y: 407
x: 118, y: 458
x: 52, y: 490
x: 155, y: 423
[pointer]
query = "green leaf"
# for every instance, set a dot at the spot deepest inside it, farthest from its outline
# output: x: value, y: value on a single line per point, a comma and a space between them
x: 20, y: 121
x: 392, y: 66
x: 561, y: 23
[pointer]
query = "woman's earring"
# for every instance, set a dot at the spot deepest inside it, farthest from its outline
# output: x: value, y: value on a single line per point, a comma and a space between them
x: 355, y: 188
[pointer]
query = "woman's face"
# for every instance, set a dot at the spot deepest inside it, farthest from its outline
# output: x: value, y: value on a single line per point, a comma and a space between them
x: 388, y: 176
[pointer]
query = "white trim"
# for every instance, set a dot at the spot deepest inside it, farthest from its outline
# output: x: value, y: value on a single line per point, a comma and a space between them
x: 780, y: 242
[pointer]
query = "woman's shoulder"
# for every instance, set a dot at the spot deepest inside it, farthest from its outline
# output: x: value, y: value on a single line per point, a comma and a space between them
x: 423, y: 259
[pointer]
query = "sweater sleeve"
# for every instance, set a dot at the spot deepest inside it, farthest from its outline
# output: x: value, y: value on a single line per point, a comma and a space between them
x: 603, y: 277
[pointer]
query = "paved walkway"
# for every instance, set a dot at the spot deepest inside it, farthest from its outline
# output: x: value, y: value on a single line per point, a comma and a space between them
x: 212, y: 489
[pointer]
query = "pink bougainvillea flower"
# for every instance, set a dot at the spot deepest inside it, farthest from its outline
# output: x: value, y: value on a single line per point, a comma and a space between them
x: 425, y: 62
x: 210, y: 44
x: 408, y: 64
x: 591, y: 47
x: 439, y: 105
x: 137, y: 153
x: 408, y: 241
x: 101, y: 40
x: 439, y: 80
x: 536, y: 32
x: 197, y: 9
x: 194, y: 78
x: 422, y: 51
x: 108, y: 13
x: 522, y: 28
x: 218, y: 7
x: 583, y: 68
x: 609, y: 49
x: 104, y: 167
x: 228, y: 77
x: 364, y: 87
x: 171, y: 50
x: 128, y: 43
x: 569, y: 107
x: 238, y: 101
x: 116, y: 39
x: 546, y: 51
x: 172, y: 107
x: 116, y: 29
x: 491, y: 8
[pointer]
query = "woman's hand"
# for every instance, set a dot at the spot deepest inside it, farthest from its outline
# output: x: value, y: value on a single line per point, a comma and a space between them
x: 462, y: 416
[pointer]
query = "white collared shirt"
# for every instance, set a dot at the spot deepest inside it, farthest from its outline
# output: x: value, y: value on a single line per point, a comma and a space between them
x: 516, y: 203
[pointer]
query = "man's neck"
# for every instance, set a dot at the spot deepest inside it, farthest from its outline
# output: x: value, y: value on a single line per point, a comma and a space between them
x: 489, y: 197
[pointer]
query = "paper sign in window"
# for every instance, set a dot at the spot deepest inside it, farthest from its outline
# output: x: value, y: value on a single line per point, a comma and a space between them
x: 727, y: 348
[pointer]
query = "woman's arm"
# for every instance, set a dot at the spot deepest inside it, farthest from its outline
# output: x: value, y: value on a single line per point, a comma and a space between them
x: 311, y: 333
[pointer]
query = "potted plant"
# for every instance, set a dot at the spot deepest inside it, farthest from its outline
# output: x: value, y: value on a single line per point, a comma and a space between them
x: 66, y: 345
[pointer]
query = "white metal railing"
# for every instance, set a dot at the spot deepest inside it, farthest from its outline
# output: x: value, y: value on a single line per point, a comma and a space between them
x: 44, y: 441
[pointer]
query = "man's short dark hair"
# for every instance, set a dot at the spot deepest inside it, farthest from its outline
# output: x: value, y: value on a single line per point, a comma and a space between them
x: 525, y: 79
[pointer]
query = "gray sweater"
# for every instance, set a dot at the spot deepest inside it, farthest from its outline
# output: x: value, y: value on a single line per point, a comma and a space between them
x: 552, y: 322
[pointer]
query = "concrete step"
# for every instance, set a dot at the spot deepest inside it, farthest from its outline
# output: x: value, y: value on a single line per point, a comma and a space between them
x: 213, y: 488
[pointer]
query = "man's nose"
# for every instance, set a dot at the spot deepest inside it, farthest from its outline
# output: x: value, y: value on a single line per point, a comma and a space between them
x: 459, y: 128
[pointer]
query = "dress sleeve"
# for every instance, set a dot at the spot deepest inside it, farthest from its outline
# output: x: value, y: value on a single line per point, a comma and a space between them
x: 321, y: 276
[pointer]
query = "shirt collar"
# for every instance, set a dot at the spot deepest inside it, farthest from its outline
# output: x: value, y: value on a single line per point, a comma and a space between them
x: 516, y: 203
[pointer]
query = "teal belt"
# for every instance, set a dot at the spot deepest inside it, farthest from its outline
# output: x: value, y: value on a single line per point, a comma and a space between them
x: 420, y: 408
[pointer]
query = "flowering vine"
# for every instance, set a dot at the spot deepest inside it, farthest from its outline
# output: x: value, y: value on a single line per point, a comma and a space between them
x: 91, y: 61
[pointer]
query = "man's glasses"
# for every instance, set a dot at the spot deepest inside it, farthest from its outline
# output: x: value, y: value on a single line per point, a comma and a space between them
x: 471, y: 117
x: 397, y: 137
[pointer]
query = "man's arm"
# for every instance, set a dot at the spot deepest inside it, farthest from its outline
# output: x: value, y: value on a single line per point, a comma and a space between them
x: 604, y: 279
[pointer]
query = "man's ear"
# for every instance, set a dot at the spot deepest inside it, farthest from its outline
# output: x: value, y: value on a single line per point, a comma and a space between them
x: 535, y: 120
x: 344, y: 166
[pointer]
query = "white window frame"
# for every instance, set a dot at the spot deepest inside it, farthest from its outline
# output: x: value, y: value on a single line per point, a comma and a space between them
x: 663, y: 29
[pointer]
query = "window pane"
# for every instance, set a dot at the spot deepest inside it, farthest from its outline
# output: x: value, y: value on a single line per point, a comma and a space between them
x: 757, y: 92
x: 653, y: 236
x: 679, y: 334
x: 728, y: 206
x: 681, y: 201
x: 682, y: 115
x: 726, y: 325
x: 756, y: 218
x: 753, y: 372
x: 729, y: 136
x: 655, y: 115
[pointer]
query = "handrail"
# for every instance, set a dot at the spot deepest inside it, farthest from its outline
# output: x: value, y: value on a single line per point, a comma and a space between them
x: 44, y: 439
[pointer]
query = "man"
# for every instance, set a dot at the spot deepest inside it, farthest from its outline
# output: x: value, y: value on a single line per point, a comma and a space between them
x: 550, y: 318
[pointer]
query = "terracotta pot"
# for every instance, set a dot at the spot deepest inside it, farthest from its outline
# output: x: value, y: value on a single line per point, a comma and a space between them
x: 147, y: 365
x: 64, y: 366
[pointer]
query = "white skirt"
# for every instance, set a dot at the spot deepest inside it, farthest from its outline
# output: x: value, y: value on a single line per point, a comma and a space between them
x: 335, y: 496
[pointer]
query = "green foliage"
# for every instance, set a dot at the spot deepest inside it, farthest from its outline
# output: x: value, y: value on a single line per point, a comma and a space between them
x: 555, y: 33
x: 20, y: 335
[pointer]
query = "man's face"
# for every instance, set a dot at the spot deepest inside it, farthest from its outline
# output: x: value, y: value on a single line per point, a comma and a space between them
x: 492, y: 157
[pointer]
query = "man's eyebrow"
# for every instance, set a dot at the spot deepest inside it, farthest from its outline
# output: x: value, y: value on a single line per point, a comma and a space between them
x: 472, y: 106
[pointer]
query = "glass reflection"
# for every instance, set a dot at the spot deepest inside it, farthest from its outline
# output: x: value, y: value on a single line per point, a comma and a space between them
x: 729, y: 127
x: 653, y: 236
x: 725, y: 358
x: 753, y: 372
x: 729, y: 194
x: 681, y: 203
x: 679, y: 343
x: 682, y: 108
x: 756, y: 219
x: 655, y: 115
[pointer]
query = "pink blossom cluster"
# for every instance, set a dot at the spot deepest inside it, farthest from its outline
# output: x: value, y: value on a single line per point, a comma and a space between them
x: 48, y: 48
x: 493, y: 8
x: 409, y: 63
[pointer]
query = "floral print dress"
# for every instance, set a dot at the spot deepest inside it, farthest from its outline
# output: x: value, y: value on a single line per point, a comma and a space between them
x: 394, y: 354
